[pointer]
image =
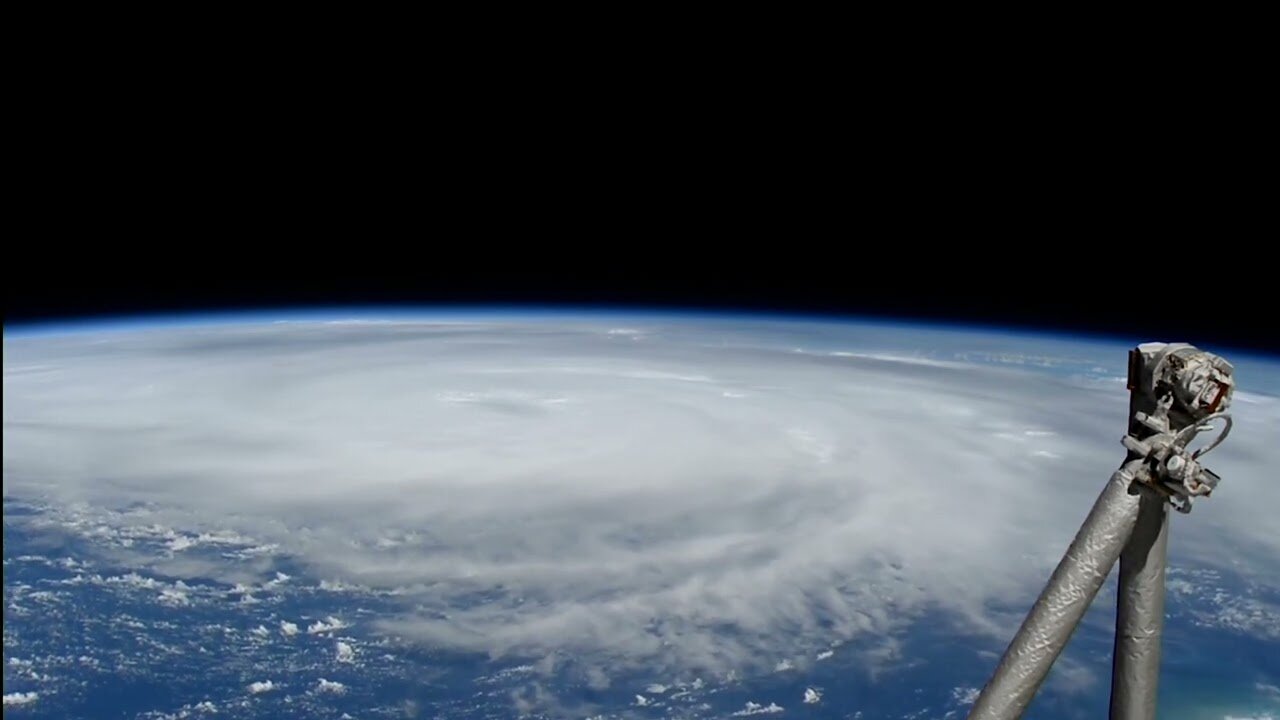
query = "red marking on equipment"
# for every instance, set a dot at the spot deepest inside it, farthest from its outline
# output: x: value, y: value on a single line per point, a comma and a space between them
x: 1222, y: 392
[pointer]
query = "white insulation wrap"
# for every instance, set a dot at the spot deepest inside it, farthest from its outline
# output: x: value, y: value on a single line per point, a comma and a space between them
x: 1135, y: 676
x: 1062, y: 604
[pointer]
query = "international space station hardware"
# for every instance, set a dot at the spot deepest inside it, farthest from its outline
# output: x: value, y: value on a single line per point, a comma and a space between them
x: 1176, y: 392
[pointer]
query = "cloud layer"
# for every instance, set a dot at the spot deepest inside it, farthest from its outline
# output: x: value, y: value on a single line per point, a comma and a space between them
x: 701, y: 496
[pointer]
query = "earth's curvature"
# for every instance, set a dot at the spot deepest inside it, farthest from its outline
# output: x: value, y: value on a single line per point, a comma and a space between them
x: 490, y: 515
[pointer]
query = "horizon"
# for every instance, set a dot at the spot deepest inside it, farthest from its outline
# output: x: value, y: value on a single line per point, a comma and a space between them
x: 444, y: 312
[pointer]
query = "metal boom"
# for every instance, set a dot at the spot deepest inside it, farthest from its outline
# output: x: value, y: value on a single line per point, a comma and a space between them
x: 1176, y: 391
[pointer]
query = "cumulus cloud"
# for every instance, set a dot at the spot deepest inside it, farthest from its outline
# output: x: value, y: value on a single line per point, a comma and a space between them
x: 257, y: 688
x: 329, y: 624
x: 174, y: 595
x: 344, y: 652
x: 330, y: 686
x: 20, y: 698
x: 965, y: 695
x: 752, y: 708
x: 708, y: 497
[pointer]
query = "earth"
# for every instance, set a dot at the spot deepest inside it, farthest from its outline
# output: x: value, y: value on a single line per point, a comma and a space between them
x: 499, y: 514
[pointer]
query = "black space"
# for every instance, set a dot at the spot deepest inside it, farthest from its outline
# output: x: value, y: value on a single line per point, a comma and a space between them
x: 1046, y: 201
x: 1059, y: 289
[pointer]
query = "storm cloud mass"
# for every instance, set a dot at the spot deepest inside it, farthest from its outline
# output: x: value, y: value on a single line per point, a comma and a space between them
x: 695, y: 495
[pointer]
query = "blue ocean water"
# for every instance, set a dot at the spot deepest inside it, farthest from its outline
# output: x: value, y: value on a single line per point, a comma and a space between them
x: 117, y: 650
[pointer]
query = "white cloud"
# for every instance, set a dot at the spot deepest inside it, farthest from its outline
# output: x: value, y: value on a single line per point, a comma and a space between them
x: 262, y: 686
x: 812, y: 696
x: 644, y: 515
x: 174, y: 596
x: 904, y: 359
x: 1211, y: 602
x: 20, y: 698
x: 329, y: 624
x: 133, y: 579
x: 330, y: 686
x: 825, y: 654
x: 260, y: 631
x: 757, y: 709
x: 965, y: 695
x: 345, y: 653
